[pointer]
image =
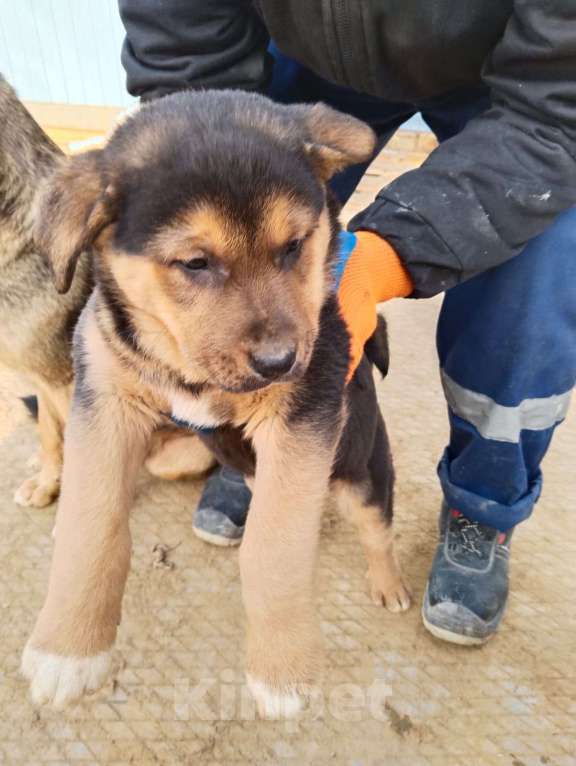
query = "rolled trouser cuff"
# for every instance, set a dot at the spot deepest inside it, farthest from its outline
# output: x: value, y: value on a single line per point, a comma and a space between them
x: 482, y: 509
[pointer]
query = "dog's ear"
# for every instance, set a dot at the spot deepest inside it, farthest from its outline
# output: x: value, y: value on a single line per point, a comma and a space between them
x: 75, y: 203
x: 335, y: 140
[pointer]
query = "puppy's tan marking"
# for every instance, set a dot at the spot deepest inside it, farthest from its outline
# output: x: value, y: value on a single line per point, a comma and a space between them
x: 200, y: 229
x: 277, y: 561
x: 145, y: 291
x: 106, y: 441
x: 252, y: 410
x: 317, y: 282
x: 285, y: 219
x: 386, y: 582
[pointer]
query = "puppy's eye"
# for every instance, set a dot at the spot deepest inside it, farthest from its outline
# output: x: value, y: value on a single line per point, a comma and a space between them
x: 290, y: 252
x: 293, y: 247
x: 195, y: 264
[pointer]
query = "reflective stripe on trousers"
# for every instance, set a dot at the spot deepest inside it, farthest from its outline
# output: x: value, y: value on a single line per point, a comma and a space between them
x: 498, y: 422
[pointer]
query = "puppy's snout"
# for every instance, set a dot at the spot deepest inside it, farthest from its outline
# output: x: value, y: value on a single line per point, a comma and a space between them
x: 273, y: 362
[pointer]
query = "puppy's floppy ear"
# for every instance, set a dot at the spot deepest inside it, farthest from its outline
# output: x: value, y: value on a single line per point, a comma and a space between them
x: 73, y: 206
x: 335, y: 140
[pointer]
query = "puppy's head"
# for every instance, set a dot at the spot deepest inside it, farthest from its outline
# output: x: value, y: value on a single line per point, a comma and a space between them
x: 208, y: 217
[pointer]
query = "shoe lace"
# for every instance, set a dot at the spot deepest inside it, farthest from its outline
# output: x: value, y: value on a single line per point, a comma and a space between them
x: 470, y: 535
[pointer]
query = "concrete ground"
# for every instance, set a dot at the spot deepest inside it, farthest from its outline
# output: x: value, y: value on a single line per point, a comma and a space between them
x: 392, y: 694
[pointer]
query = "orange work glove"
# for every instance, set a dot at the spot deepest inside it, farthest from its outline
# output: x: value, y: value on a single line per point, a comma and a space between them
x: 369, y: 272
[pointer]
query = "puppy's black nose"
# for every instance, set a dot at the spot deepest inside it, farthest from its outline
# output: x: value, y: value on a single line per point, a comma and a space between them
x: 273, y: 363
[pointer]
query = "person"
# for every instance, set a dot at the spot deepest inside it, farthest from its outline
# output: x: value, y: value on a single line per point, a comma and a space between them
x: 487, y: 220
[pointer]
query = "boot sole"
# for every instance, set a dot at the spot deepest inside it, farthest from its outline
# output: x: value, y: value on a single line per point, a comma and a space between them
x: 218, y: 540
x: 453, y: 638
x: 450, y: 636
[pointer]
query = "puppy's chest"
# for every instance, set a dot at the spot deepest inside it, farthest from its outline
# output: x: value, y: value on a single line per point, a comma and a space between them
x: 199, y: 413
x: 210, y: 410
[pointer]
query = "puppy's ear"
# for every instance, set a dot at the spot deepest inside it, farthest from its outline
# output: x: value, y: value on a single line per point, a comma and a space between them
x: 73, y: 207
x: 335, y: 140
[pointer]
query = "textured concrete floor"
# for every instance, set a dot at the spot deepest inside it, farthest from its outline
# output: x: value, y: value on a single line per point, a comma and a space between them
x: 392, y: 694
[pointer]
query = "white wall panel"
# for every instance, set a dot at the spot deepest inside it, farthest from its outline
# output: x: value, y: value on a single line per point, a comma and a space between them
x: 65, y: 51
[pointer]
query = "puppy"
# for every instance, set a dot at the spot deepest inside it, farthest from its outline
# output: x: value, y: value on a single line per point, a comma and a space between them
x: 36, y: 323
x: 214, y: 241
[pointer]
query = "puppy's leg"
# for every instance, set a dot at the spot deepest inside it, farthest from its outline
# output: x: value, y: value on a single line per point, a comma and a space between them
x: 369, y: 505
x: 69, y: 651
x: 177, y: 455
x: 277, y: 562
x: 43, y: 488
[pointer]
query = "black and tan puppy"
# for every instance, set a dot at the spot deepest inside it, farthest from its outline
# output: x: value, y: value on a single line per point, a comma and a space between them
x: 214, y: 241
x: 36, y: 323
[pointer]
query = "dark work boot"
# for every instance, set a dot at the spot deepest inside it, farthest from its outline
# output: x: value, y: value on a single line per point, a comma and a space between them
x: 468, y: 586
x: 221, y: 513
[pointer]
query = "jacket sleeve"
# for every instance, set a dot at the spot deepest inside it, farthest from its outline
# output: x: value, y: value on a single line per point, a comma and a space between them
x: 171, y: 45
x: 483, y: 194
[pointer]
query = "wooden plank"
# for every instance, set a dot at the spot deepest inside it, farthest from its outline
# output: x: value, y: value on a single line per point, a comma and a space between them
x: 99, y: 119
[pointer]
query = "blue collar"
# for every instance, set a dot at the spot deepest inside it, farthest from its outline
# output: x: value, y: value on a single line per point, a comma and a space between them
x: 200, y: 430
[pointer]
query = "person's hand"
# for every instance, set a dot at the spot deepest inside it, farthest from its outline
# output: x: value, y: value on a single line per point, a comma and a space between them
x: 368, y: 272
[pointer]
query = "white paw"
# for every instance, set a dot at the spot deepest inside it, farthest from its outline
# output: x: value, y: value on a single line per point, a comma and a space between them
x: 58, y: 680
x: 275, y: 704
x: 37, y: 492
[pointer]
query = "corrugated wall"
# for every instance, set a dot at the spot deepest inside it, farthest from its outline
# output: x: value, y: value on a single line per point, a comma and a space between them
x: 65, y: 51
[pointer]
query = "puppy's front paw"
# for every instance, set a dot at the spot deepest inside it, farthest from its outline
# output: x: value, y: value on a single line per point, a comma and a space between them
x: 37, y: 491
x: 284, y: 669
x: 58, y: 681
x: 275, y: 703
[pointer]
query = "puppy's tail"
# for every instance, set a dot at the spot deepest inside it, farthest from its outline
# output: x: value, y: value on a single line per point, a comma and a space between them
x: 377, y: 349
